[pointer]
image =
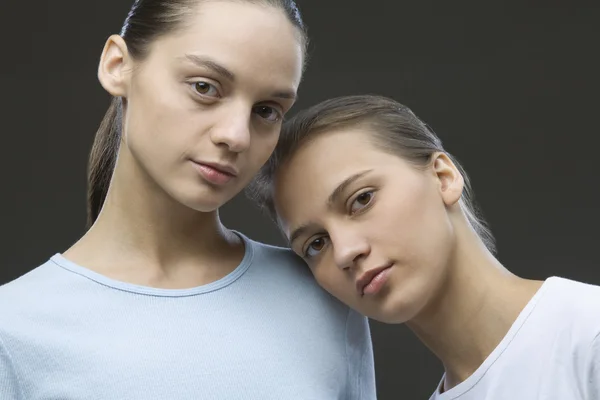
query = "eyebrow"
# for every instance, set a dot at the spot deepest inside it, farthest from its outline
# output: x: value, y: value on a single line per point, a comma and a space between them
x: 337, y: 192
x: 333, y: 198
x: 206, y: 62
x: 285, y: 94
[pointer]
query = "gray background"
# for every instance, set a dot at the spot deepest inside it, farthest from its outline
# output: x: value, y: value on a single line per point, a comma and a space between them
x: 512, y: 89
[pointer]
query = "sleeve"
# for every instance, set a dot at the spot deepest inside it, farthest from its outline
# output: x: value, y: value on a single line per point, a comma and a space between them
x: 593, y: 377
x: 359, y: 352
x: 9, y: 383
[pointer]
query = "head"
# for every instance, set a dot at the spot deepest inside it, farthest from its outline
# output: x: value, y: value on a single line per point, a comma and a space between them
x: 362, y: 188
x: 199, y: 91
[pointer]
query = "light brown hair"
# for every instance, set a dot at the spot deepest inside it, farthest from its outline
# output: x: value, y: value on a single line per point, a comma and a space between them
x: 395, y: 129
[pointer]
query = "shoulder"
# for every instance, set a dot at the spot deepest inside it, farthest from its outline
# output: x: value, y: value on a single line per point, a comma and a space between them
x: 283, y: 272
x: 576, y: 305
x: 23, y: 285
x: 281, y: 266
x: 579, y: 297
x: 277, y: 259
x: 27, y: 296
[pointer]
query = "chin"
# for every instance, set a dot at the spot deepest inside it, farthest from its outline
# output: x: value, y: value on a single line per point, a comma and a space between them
x: 206, y: 205
x: 202, y: 202
x: 392, y: 318
x: 395, y: 310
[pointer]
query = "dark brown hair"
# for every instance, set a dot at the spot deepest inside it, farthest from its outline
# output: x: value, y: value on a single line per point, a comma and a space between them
x: 395, y: 129
x: 147, y: 21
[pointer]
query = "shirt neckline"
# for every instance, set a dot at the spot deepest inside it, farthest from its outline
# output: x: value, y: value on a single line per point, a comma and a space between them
x: 469, y: 383
x: 98, y: 278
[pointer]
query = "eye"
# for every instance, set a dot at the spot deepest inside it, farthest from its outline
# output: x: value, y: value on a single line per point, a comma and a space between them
x: 361, y: 201
x: 315, y: 247
x: 267, y: 113
x: 205, y: 89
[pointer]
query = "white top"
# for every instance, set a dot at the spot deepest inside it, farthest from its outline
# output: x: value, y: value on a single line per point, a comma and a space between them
x: 551, y: 352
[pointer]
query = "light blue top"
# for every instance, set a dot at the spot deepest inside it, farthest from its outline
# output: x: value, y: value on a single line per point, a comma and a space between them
x: 265, y: 331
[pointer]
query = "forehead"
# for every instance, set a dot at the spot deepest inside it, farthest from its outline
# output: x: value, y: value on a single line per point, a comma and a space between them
x: 305, y: 182
x: 255, y: 42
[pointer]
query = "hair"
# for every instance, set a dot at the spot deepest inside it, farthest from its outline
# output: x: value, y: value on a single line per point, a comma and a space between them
x: 395, y: 129
x: 147, y: 21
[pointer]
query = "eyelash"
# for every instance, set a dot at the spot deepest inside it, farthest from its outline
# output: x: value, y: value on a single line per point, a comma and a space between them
x: 308, y: 256
x: 371, y: 192
x: 278, y: 114
x: 355, y: 199
x: 194, y: 88
x: 276, y: 117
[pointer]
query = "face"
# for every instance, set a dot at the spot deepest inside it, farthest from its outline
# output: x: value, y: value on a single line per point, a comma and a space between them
x: 204, y: 108
x: 376, y: 231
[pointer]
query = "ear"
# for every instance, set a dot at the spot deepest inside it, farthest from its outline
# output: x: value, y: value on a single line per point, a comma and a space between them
x: 451, y: 181
x: 113, y: 71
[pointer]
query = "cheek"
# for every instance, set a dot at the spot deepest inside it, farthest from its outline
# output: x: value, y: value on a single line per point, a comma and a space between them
x: 159, y: 112
x: 435, y: 229
x: 162, y: 133
x: 428, y: 250
x: 414, y: 225
x: 261, y: 148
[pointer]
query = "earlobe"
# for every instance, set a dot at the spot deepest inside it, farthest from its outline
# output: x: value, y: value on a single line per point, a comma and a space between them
x: 450, y: 179
x: 112, y: 70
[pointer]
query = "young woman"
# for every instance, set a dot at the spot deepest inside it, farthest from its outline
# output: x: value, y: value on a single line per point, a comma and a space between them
x: 384, y: 218
x: 158, y: 300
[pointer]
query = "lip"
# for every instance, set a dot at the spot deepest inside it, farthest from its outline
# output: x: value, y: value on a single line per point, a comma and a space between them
x: 222, y: 168
x: 215, y: 174
x: 367, y: 277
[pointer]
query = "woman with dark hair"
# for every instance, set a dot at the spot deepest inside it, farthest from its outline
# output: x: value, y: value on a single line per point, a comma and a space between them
x: 159, y: 300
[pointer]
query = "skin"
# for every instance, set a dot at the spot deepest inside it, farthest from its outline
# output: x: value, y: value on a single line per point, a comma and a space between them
x: 443, y: 282
x: 213, y: 92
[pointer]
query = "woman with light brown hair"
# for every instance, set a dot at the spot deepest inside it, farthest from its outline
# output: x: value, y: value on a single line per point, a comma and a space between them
x: 385, y: 219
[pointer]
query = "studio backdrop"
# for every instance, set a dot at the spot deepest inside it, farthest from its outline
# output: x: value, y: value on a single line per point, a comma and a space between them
x: 510, y: 87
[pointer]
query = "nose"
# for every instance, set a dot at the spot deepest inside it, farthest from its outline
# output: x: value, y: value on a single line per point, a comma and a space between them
x: 233, y: 131
x: 349, y: 247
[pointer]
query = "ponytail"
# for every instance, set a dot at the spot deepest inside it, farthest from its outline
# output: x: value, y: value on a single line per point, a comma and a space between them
x: 146, y: 21
x: 103, y: 157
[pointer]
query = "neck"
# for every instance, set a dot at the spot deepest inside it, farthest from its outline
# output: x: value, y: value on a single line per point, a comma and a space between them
x: 477, y: 305
x: 144, y: 236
